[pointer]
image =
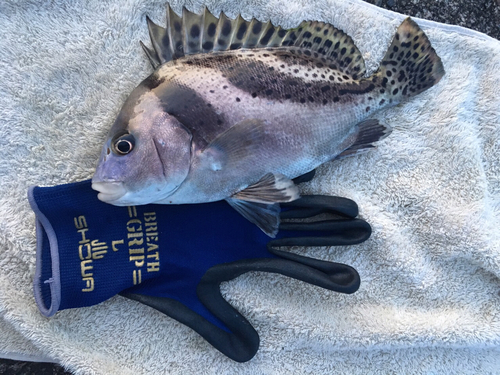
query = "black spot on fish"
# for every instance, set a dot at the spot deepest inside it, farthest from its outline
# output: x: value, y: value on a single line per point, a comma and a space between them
x: 317, y: 40
x: 307, y: 52
x: 382, y: 102
x: 307, y: 35
x: 397, y: 36
x: 331, y: 78
x: 265, y: 39
x: 328, y: 43
x: 211, y: 29
x: 254, y: 94
x: 406, y: 44
x: 325, y: 88
x: 195, y: 31
x: 388, y: 73
x: 389, y: 62
x: 177, y: 26
x: 395, y: 48
x: 226, y: 28
x: 241, y: 31
x: 357, y: 91
x: 257, y: 27
x: 310, y: 98
x: 384, y: 82
x: 336, y: 99
x: 302, y: 100
x: 343, y: 51
x: 367, y: 109
x: 282, y: 33
x: 395, y: 91
x: 415, y: 55
x: 235, y: 46
x: 269, y: 92
x: 165, y: 41
x: 221, y: 42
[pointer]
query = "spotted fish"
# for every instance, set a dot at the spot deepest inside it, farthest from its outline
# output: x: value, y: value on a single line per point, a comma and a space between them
x: 236, y: 109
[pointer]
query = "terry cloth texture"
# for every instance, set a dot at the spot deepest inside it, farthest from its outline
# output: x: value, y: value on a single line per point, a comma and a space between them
x: 429, y: 300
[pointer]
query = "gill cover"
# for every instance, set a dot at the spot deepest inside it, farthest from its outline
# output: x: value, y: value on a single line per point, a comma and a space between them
x: 147, y: 155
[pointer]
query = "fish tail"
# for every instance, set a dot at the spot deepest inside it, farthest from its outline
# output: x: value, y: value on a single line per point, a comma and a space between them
x: 410, y: 65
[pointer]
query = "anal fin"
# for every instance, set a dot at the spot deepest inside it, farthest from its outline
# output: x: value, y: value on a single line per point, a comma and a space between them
x: 369, y: 132
x: 265, y: 215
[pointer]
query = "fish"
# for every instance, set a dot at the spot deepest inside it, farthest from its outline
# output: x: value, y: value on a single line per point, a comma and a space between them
x: 235, y: 110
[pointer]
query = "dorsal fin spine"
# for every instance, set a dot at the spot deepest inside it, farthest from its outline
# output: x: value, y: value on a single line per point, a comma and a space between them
x: 202, y: 33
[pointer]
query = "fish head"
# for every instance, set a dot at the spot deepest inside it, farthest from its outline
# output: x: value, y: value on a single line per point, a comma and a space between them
x: 146, y: 156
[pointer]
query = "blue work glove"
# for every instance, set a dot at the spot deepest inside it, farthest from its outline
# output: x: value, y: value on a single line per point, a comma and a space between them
x: 173, y: 258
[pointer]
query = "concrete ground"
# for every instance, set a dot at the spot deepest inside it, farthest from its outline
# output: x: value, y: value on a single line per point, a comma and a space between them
x: 480, y: 15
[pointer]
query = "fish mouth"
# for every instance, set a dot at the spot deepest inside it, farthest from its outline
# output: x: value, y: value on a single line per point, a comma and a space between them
x: 109, y: 191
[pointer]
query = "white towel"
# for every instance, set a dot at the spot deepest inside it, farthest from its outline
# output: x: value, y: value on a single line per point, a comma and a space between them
x: 429, y: 300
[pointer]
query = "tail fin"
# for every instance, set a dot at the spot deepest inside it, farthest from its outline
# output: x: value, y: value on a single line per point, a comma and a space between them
x: 410, y: 65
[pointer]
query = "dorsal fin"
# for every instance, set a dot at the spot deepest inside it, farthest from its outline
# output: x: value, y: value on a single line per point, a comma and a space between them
x: 202, y: 33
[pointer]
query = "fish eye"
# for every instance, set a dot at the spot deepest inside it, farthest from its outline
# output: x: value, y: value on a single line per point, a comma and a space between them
x: 124, y: 144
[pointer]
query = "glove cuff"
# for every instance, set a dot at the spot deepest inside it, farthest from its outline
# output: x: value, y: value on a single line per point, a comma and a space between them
x: 47, y: 283
x: 89, y: 251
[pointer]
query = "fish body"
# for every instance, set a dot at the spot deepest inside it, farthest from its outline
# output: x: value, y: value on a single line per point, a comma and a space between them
x: 235, y: 109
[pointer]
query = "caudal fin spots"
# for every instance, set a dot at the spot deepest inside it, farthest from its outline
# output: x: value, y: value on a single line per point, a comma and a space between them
x: 410, y: 65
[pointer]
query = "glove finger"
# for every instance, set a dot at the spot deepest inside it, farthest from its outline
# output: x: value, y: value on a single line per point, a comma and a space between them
x: 240, y: 342
x: 324, y: 233
x: 335, y: 205
x: 341, y: 274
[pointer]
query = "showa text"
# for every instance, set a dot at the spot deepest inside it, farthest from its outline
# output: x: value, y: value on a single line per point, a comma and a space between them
x: 141, y: 242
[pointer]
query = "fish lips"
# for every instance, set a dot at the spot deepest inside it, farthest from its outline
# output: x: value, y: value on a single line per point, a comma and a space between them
x: 109, y: 191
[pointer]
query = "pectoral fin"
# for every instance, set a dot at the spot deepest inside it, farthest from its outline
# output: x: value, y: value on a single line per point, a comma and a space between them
x: 233, y: 146
x: 265, y: 216
x: 271, y: 188
x: 259, y: 202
